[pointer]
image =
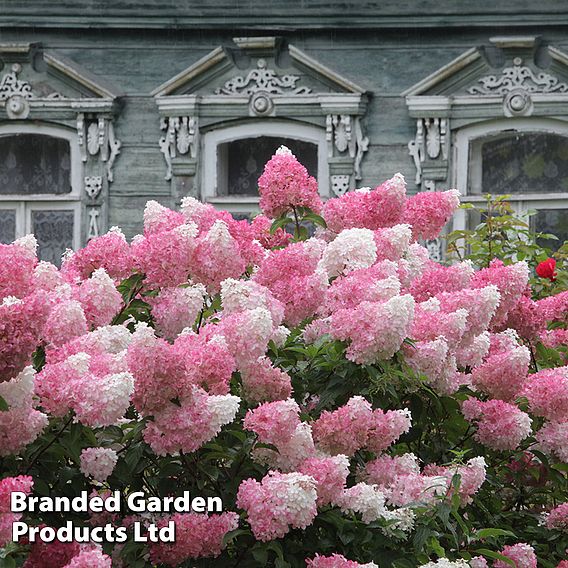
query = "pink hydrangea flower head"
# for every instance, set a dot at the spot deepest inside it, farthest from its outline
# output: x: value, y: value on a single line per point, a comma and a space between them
x: 246, y: 334
x: 285, y: 184
x: 274, y: 422
x: 159, y: 219
x: 368, y: 209
x: 262, y: 382
x: 174, y: 309
x: 65, y: 322
x: 504, y: 370
x: 500, y: 425
x: 430, y: 322
x: 511, y: 282
x: 47, y: 276
x: 554, y: 307
x: 374, y: 330
x: 345, y: 430
x: 197, y: 536
x: 166, y: 258
x: 428, y: 211
x: 241, y: 295
x: 557, y: 518
x: 102, y: 401
x: 17, y: 263
x: 330, y: 474
x: 159, y: 375
x: 427, y: 357
x: 472, y: 476
x: 387, y: 427
x: 368, y: 500
x: 109, y: 251
x: 392, y: 242
x: 217, y: 257
x: 281, y: 501
x: 21, y: 424
x: 350, y: 250
x: 553, y: 439
x: 547, y: 393
x: 480, y: 304
x: 98, y: 463
x: 521, y: 554
x: 526, y: 317
x: 378, y: 283
x: 437, y: 278
x: 292, y: 275
x: 335, y: 561
x: 21, y: 325
x: 186, y: 427
x: 209, y: 364
x: 290, y: 452
x: 51, y: 554
x: 100, y: 299
x: 23, y: 483
x: 90, y: 558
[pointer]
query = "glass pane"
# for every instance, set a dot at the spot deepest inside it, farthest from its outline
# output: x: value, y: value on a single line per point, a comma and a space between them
x: 246, y: 159
x: 32, y: 163
x: 522, y: 163
x: 554, y: 221
x: 7, y: 225
x: 54, y: 233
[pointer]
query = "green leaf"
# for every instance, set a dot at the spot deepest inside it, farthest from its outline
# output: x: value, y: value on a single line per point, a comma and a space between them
x: 280, y: 223
x: 315, y: 219
x: 487, y: 533
x: 3, y: 405
x: 495, y: 556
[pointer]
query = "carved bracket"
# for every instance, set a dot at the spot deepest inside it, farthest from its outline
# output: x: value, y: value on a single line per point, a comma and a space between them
x: 344, y: 135
x: 97, y: 139
x: 181, y: 138
x: 430, y: 144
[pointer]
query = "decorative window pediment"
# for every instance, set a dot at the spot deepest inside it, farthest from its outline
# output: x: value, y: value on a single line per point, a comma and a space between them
x: 513, y: 77
x: 260, y: 81
x: 44, y: 88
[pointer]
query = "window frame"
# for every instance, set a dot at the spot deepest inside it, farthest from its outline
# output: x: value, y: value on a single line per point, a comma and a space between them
x: 25, y: 204
x: 212, y: 140
x: 521, y: 203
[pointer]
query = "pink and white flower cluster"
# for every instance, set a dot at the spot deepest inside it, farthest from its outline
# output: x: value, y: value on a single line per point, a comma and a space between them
x: 220, y: 297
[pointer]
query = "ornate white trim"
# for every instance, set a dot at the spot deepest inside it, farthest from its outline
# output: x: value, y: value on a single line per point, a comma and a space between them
x: 94, y: 230
x: 181, y: 137
x: 431, y: 141
x: 344, y: 133
x: 263, y: 79
x: 96, y: 137
x: 518, y: 77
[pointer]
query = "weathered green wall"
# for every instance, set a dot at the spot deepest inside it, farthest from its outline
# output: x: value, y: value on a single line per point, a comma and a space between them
x: 385, y: 49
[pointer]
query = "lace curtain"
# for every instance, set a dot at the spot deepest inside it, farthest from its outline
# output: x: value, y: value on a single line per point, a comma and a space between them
x: 246, y: 159
x: 34, y: 164
x: 525, y: 163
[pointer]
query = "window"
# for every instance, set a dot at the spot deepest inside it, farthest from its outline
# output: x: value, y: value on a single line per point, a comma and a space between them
x: 234, y: 159
x: 525, y: 158
x: 39, y: 188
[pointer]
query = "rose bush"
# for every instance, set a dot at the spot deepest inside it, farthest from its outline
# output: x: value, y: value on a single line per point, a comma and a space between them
x: 352, y: 402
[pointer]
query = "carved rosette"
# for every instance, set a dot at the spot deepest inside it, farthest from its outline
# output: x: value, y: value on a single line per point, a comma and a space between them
x: 429, y: 150
x: 345, y: 139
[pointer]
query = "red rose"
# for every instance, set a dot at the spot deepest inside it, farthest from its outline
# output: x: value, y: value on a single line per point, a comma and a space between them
x: 546, y: 269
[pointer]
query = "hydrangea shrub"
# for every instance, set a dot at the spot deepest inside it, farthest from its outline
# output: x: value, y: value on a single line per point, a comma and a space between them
x: 352, y: 402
